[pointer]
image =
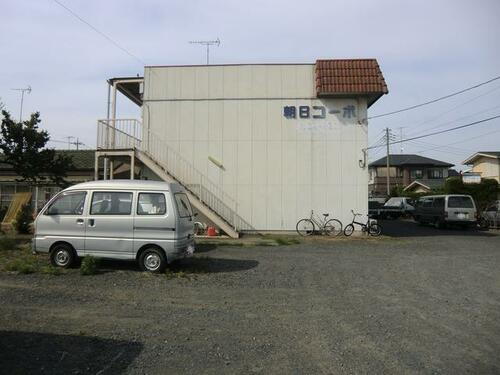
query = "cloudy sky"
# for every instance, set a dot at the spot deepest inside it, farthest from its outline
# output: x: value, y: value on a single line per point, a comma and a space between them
x: 426, y: 49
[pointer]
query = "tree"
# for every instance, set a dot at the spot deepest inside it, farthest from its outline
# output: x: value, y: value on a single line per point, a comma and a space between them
x: 23, y: 146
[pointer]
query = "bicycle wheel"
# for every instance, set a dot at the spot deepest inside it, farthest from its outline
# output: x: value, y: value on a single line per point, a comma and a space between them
x: 305, y: 227
x: 333, y: 227
x: 374, y: 229
x: 348, y: 230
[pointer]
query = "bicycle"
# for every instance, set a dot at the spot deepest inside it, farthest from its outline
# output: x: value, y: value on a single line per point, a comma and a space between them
x: 306, y: 227
x: 371, y: 227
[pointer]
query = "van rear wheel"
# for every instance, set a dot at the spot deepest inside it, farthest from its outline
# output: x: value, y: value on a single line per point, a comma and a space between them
x: 152, y: 260
x: 62, y: 256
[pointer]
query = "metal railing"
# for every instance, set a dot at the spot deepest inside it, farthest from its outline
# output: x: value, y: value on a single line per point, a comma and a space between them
x: 119, y: 134
x: 127, y: 134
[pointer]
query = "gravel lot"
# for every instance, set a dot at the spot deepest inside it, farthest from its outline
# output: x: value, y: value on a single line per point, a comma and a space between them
x: 419, y: 301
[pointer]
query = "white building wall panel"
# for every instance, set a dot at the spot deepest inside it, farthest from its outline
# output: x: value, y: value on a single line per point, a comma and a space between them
x: 276, y: 169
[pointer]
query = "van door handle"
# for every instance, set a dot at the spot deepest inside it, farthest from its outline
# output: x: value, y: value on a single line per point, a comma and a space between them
x: 91, y: 222
x: 79, y: 221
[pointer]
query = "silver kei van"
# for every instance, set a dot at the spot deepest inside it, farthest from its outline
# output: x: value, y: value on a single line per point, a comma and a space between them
x: 147, y: 221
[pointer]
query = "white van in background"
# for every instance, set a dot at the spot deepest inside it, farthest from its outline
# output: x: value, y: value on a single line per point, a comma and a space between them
x: 147, y: 221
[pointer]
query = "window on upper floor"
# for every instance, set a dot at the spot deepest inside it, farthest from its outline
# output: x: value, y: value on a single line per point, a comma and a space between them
x: 435, y: 173
x: 416, y: 173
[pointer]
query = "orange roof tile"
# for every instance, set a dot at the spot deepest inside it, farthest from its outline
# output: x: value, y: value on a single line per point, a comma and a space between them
x: 350, y: 76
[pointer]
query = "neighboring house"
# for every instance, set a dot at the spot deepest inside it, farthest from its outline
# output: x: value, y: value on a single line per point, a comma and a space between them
x: 258, y: 146
x: 414, y: 172
x: 485, y: 163
x: 83, y: 161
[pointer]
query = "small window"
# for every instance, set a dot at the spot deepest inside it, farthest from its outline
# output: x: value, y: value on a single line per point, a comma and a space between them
x: 183, y: 205
x: 151, y: 204
x: 460, y: 202
x: 111, y: 203
x: 416, y: 173
x: 70, y: 203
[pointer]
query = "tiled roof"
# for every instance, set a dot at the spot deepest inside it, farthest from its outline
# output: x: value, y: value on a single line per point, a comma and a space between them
x: 350, y: 76
x: 82, y: 159
x: 397, y: 160
x: 473, y: 158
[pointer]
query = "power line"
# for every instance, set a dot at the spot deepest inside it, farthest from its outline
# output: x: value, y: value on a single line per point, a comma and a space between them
x: 434, y: 100
x: 441, y: 131
x: 460, y: 118
x: 108, y: 38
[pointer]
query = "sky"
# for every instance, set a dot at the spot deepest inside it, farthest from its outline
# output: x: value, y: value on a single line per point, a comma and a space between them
x: 426, y: 49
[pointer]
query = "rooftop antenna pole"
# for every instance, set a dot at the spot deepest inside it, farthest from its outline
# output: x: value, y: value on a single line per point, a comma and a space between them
x: 28, y: 90
x: 207, y: 43
x: 401, y: 138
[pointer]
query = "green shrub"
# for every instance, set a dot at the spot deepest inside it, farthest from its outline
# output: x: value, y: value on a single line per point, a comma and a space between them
x: 24, y: 218
x: 7, y: 243
x: 23, y: 265
x: 90, y: 266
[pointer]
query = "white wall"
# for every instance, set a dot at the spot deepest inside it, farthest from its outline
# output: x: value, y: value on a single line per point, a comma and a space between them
x: 277, y: 169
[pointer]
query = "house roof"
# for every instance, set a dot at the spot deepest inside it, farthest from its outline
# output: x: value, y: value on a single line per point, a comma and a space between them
x: 488, y: 154
x: 82, y: 159
x: 426, y: 183
x: 397, y: 160
x: 350, y: 77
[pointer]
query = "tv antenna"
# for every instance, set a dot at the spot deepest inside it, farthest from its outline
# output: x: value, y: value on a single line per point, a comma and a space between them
x: 28, y: 90
x: 207, y: 43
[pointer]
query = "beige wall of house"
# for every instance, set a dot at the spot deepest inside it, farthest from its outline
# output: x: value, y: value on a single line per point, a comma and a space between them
x: 275, y: 168
x: 488, y: 167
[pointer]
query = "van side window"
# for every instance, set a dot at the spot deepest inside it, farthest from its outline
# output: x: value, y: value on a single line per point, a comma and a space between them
x: 111, y: 203
x: 427, y: 203
x: 151, y: 204
x: 183, y: 205
x: 438, y: 203
x: 70, y: 203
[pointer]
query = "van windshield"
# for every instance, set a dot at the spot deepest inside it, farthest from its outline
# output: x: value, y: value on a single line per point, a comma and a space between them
x: 460, y: 202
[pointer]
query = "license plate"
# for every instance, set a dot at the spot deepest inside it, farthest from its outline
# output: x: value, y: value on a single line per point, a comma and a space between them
x: 463, y: 216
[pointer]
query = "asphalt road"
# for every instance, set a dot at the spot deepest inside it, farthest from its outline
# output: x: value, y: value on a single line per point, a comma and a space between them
x: 419, y: 301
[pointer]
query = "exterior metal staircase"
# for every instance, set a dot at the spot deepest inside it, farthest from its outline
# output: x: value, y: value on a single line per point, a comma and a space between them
x: 151, y: 150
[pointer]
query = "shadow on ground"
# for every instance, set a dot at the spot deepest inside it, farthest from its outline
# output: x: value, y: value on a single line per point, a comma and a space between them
x: 43, y: 353
x: 189, y: 265
x: 212, y: 265
x: 408, y: 228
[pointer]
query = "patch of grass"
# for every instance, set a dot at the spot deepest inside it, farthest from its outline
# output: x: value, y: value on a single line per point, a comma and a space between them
x: 51, y: 270
x: 282, y: 241
x: 90, y: 266
x: 23, y: 264
x: 8, y: 243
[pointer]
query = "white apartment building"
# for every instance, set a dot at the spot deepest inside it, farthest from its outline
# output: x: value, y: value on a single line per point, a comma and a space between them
x: 257, y: 145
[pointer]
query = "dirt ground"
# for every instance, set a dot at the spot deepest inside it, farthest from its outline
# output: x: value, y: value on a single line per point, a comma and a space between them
x: 424, y: 301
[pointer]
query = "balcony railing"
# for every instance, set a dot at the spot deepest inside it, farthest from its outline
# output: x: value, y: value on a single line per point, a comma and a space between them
x: 119, y: 134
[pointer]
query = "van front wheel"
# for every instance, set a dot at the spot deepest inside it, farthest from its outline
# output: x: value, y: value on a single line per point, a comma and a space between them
x: 152, y: 260
x: 62, y: 256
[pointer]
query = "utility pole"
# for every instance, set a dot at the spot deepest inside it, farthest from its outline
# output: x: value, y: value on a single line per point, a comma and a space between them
x: 388, y: 172
x: 77, y: 143
x: 28, y: 90
x: 69, y: 138
x: 206, y: 43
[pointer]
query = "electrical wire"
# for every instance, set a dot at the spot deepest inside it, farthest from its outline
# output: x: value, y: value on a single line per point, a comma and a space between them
x: 108, y: 38
x: 442, y: 131
x: 433, y: 100
x: 460, y: 118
